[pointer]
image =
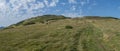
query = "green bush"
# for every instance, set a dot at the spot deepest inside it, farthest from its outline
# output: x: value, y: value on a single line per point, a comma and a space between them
x: 29, y: 23
x: 68, y: 27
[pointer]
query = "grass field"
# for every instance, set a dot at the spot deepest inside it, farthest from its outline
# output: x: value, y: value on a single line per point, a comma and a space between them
x: 86, y: 34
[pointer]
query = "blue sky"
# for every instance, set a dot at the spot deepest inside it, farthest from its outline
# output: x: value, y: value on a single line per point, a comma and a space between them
x: 13, y: 11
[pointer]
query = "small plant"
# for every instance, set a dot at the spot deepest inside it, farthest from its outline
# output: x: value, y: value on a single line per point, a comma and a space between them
x: 68, y: 27
x: 29, y: 23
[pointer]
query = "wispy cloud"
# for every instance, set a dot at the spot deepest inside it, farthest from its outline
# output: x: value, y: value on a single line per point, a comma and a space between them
x: 54, y: 3
x: 88, y: 4
x: 72, y: 14
x: 73, y: 8
x: 16, y: 10
x: 23, y: 8
x: 72, y: 1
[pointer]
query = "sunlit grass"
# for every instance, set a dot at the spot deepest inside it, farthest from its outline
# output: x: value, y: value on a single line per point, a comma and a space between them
x: 85, y: 35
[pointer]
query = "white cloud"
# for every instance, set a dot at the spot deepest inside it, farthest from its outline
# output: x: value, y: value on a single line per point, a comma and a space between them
x: 72, y: 1
x: 73, y: 8
x: 37, y: 6
x: 46, y: 2
x: 91, y: 5
x: 84, y: 2
x: 88, y: 4
x: 72, y: 14
x: 23, y: 9
x: 2, y: 5
x: 53, y: 3
x: 14, y: 7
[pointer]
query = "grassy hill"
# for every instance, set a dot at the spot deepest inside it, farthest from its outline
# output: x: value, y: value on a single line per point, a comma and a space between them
x: 59, y: 33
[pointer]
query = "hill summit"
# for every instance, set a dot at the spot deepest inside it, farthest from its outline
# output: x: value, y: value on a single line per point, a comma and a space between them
x: 60, y: 33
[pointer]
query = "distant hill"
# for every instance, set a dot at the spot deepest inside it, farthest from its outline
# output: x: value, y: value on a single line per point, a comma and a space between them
x: 41, y: 19
x: 1, y: 27
x: 99, y: 17
x: 60, y: 33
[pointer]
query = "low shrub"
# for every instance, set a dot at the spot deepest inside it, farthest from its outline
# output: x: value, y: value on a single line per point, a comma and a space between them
x: 68, y: 27
x: 29, y: 23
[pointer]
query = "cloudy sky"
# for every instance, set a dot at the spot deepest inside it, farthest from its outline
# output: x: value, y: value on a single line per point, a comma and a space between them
x: 13, y: 11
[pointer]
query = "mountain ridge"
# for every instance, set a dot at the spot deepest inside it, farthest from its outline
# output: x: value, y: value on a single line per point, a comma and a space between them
x: 1, y: 27
x: 47, y: 18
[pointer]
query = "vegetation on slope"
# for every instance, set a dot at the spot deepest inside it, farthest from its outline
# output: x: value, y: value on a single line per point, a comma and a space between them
x: 41, y: 19
x: 63, y: 35
x: 45, y: 19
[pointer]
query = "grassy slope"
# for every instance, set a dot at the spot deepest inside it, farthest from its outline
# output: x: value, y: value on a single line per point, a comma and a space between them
x: 86, y: 35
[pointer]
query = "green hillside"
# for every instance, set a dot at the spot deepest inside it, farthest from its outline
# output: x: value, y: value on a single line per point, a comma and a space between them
x: 60, y: 33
